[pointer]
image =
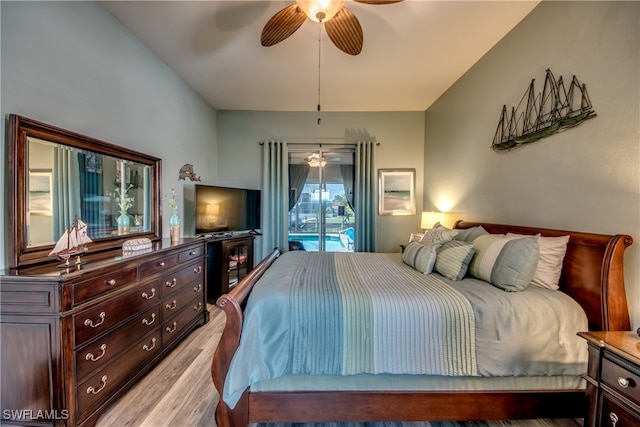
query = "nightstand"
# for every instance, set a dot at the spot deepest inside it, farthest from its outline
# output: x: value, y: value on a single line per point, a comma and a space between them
x: 613, y: 379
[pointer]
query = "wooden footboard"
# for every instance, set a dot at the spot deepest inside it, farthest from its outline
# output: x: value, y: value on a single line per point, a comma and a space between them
x: 592, y: 274
x: 232, y: 304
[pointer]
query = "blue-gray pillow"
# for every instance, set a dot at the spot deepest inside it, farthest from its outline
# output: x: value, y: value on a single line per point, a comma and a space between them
x: 420, y: 257
x: 470, y: 234
x: 508, y: 264
x: 453, y: 258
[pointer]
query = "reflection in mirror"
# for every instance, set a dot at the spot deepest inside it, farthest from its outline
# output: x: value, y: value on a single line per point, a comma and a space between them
x: 67, y: 183
x: 58, y: 178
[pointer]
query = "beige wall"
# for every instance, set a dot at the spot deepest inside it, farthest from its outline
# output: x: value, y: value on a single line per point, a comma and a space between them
x: 401, y: 146
x: 72, y: 65
x: 586, y: 178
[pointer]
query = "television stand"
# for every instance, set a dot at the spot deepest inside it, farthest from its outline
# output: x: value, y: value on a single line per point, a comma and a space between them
x: 229, y: 259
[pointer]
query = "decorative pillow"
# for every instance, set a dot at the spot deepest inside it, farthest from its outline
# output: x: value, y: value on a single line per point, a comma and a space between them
x: 438, y: 235
x: 470, y: 234
x: 508, y: 264
x: 552, y: 252
x: 452, y: 260
x: 420, y: 257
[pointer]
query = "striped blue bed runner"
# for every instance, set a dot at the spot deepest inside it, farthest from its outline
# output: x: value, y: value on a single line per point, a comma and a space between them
x: 370, y: 314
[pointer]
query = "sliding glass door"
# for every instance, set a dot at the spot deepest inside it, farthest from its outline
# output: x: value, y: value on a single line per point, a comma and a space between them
x: 321, y: 217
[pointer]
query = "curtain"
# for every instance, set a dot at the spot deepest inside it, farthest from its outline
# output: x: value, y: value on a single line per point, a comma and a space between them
x: 66, y: 191
x: 346, y: 172
x: 365, y: 197
x: 91, y: 189
x: 275, y: 196
x: 297, y: 177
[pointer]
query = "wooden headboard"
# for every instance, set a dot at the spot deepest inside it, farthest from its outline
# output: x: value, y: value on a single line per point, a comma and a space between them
x: 592, y: 272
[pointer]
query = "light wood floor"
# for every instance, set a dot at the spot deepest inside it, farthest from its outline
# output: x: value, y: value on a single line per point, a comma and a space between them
x: 179, y: 391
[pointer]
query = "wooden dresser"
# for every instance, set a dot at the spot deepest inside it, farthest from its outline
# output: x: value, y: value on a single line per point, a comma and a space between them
x: 613, y: 379
x: 74, y: 340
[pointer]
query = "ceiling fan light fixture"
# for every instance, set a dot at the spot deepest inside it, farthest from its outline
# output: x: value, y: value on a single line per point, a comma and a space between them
x: 314, y: 160
x: 320, y: 10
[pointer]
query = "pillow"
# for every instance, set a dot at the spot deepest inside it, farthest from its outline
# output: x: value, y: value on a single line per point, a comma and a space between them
x: 452, y: 259
x: 552, y: 252
x: 420, y: 257
x: 470, y: 234
x: 438, y: 235
x: 508, y: 264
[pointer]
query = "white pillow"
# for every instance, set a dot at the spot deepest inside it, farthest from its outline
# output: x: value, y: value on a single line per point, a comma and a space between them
x: 552, y: 252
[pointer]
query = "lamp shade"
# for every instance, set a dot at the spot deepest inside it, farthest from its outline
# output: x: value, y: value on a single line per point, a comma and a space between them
x: 429, y: 219
x: 320, y: 10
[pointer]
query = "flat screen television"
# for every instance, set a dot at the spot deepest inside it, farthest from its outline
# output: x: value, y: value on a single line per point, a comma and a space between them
x: 221, y: 209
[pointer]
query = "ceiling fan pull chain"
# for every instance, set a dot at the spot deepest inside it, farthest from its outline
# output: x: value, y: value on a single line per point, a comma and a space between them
x: 319, y: 38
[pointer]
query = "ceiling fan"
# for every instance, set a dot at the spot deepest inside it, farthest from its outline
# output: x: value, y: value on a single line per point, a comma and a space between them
x: 343, y: 28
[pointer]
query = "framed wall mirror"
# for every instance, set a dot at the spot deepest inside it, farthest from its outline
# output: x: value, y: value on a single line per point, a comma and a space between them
x: 58, y: 177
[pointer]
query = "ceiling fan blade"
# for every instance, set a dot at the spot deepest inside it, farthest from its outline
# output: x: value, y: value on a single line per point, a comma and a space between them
x: 345, y: 32
x: 378, y: 1
x: 282, y: 25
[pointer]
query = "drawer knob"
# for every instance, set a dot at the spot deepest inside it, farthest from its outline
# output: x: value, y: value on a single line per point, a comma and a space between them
x: 101, y: 316
x: 623, y: 382
x: 171, y: 283
x: 192, y: 253
x: 91, y: 357
x: 197, y: 288
x: 148, y: 322
x: 198, y: 269
x: 162, y: 264
x: 111, y: 282
x: 147, y: 296
x: 153, y: 344
x: 197, y: 307
x: 172, y: 306
x: 173, y: 327
x: 103, y: 384
x: 614, y: 419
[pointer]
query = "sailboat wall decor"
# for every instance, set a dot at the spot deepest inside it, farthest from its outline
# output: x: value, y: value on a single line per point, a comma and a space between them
x: 73, y: 242
x: 542, y: 114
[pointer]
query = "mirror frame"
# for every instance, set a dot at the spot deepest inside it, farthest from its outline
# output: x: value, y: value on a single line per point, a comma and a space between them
x: 21, y: 128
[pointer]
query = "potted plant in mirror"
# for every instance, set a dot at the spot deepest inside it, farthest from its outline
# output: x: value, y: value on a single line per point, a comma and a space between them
x: 124, y: 203
x: 174, y: 220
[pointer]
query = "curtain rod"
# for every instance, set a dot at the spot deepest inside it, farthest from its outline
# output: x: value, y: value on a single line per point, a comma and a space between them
x: 320, y: 143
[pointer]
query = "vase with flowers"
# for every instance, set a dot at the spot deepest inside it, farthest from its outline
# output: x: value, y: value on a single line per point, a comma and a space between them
x: 124, y: 203
x: 174, y: 220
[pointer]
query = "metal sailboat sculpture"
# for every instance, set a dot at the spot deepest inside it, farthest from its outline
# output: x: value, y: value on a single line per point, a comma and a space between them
x: 73, y: 242
x: 553, y: 110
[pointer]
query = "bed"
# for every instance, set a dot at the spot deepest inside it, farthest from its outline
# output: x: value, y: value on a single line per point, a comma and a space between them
x: 592, y: 275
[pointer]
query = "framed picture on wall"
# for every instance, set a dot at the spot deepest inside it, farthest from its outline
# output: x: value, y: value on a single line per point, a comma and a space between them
x: 396, y: 191
x: 40, y: 192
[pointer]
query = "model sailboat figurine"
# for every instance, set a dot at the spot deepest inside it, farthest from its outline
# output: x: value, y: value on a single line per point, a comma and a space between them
x: 73, y: 242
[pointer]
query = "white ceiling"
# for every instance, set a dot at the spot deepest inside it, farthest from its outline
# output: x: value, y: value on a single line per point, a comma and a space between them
x: 413, y: 51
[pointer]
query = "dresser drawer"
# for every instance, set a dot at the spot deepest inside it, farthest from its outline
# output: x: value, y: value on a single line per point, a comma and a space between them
x: 158, y: 265
x: 91, y: 322
x: 176, y: 302
x: 85, y: 290
x: 106, y: 349
x: 621, y: 379
x: 175, y: 326
x: 178, y: 279
x: 193, y: 253
x: 616, y: 414
x: 104, y: 382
